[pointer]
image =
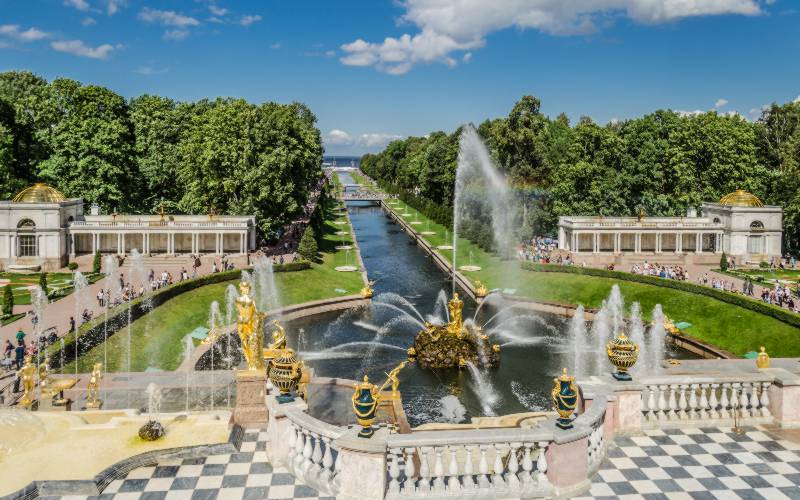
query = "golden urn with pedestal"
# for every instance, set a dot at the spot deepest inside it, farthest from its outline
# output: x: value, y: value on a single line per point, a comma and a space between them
x: 284, y: 372
x: 623, y: 355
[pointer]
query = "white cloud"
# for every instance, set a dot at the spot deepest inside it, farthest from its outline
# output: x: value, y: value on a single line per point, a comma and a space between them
x: 167, y: 18
x: 79, y: 48
x: 720, y: 103
x: 176, y: 34
x: 275, y: 45
x: 114, y: 6
x: 448, y: 26
x: 149, y: 70
x: 249, y: 19
x: 88, y: 21
x: 81, y: 5
x: 337, y: 137
x: 216, y: 10
x: 696, y: 112
x: 467, y: 57
x: 797, y: 99
x: 28, y: 35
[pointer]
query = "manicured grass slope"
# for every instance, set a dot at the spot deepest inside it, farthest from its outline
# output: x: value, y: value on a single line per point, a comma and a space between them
x: 727, y: 326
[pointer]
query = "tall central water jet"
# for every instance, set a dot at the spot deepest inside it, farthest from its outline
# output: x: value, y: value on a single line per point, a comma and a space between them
x: 482, y: 198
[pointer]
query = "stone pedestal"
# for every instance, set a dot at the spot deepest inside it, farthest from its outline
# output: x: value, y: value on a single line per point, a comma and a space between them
x: 251, y: 406
x: 567, y: 467
x: 362, y: 465
x: 47, y: 404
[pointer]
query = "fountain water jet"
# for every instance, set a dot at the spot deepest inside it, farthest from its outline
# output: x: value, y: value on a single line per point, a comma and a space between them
x: 577, y: 335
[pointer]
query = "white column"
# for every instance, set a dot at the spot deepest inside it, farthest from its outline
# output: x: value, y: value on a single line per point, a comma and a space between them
x: 123, y: 244
x: 699, y: 242
x: 718, y: 244
x: 658, y: 242
x: 617, y: 243
x: 171, y: 243
x: 637, y: 243
x: 241, y: 243
x: 678, y: 242
x: 72, y: 244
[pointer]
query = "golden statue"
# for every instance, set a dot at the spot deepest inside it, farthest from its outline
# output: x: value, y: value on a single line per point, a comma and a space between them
x: 44, y: 377
x: 249, y: 325
x: 762, y: 360
x: 456, y: 325
x: 94, y: 382
x: 367, y: 291
x: 28, y: 375
x: 278, y: 336
x: 480, y: 289
x: 391, y: 378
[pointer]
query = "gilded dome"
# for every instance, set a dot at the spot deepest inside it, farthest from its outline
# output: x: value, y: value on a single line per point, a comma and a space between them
x: 39, y: 193
x: 740, y: 198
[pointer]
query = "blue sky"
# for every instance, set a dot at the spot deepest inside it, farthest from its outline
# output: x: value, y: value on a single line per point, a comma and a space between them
x: 373, y: 70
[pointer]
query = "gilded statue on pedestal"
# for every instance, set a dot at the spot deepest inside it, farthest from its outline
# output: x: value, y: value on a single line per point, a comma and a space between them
x: 92, y: 400
x: 456, y: 325
x: 249, y: 326
x: 28, y: 376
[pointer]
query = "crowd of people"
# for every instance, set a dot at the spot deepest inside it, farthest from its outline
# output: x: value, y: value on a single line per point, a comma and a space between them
x: 670, y: 272
x: 539, y: 249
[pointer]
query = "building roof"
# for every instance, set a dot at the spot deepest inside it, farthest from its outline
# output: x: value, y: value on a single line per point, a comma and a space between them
x: 39, y: 193
x: 740, y: 198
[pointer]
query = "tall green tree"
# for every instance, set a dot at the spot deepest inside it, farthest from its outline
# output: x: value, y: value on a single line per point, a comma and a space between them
x: 92, y: 145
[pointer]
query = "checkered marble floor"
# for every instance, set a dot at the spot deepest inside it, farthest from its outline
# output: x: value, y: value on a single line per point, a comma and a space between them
x: 242, y: 475
x: 699, y: 463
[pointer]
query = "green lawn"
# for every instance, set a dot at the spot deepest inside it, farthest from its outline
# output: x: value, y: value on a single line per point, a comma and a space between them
x: 156, y: 338
x: 769, y: 274
x: 727, y: 326
x: 20, y: 283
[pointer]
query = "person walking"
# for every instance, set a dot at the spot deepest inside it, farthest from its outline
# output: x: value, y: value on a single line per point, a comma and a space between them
x: 71, y: 324
x: 20, y: 335
x: 19, y: 354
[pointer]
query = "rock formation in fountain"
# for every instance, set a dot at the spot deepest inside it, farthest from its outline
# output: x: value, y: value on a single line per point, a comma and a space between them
x: 455, y: 344
x: 152, y: 429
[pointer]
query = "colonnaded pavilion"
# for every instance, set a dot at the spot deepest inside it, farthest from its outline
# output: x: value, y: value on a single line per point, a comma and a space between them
x: 739, y: 224
x: 43, y: 229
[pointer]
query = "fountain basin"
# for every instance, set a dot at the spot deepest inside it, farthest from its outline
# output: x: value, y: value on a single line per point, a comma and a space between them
x: 445, y: 247
x: 469, y: 268
x: 427, y: 233
x: 346, y: 269
x: 340, y: 222
x: 415, y: 222
x: 343, y: 247
x: 342, y: 233
x: 70, y: 446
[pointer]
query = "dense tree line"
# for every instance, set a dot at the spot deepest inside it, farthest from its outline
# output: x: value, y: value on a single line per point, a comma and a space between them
x: 150, y: 152
x: 662, y: 163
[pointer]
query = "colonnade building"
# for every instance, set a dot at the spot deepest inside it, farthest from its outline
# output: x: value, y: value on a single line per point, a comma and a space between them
x: 739, y: 224
x: 42, y: 229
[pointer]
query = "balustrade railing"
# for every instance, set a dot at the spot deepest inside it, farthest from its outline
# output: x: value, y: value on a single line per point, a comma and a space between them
x: 667, y: 400
x: 312, y: 457
x: 504, y: 463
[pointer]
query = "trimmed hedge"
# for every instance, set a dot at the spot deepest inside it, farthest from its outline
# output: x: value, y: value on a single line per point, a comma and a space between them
x: 289, y: 267
x: 776, y: 312
x: 91, y: 333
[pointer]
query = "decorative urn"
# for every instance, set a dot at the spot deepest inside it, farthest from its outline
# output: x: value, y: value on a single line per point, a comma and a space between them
x: 284, y: 373
x: 762, y: 360
x: 623, y: 355
x: 565, y: 397
x: 365, y: 404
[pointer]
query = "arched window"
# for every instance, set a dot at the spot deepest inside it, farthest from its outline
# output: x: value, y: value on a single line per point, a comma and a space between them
x: 716, y: 220
x: 756, y: 225
x: 26, y: 241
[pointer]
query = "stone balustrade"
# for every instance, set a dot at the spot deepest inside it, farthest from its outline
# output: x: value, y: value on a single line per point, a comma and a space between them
x: 312, y: 455
x: 677, y: 400
x: 493, y: 463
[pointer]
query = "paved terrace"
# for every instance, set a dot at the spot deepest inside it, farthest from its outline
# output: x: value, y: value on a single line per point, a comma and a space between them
x: 665, y: 436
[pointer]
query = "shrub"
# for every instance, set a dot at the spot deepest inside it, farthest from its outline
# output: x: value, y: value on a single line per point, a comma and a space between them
x: 763, y: 264
x: 43, y: 281
x: 308, y: 245
x: 96, y: 263
x: 723, y: 262
x: 298, y: 265
x: 775, y: 312
x: 8, y: 301
x: 72, y: 266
